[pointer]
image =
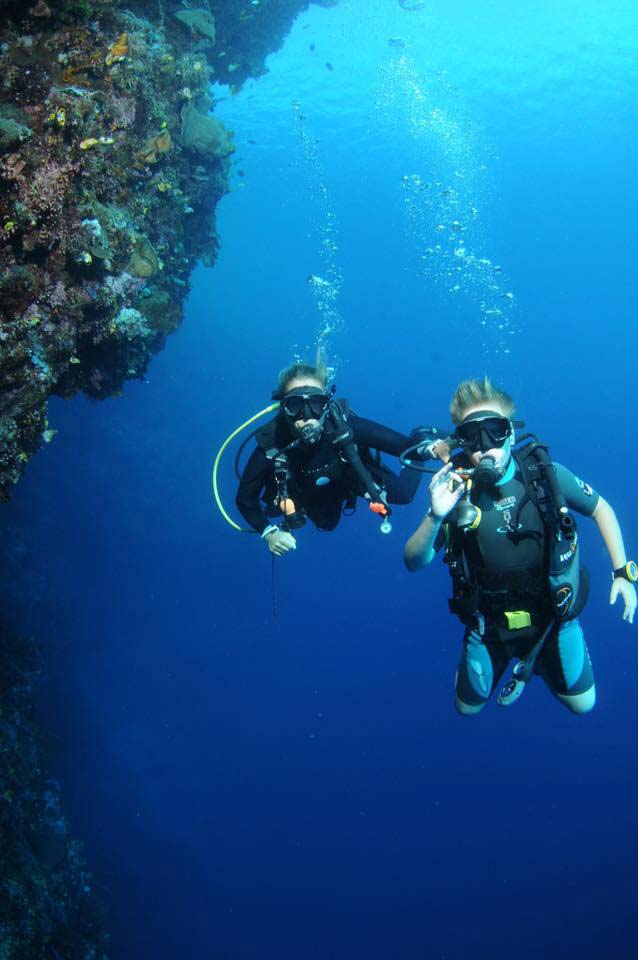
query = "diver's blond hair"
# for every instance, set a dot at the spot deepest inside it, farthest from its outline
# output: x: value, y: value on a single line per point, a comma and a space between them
x: 317, y: 371
x: 469, y: 393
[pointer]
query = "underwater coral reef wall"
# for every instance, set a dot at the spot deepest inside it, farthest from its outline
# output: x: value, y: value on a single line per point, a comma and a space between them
x: 111, y: 167
x: 47, y: 904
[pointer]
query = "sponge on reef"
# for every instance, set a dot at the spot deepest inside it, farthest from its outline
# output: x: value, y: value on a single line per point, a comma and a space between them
x: 200, y: 21
x: 204, y: 133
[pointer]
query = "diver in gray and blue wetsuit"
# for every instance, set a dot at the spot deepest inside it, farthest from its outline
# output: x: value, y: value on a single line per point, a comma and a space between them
x: 503, y: 514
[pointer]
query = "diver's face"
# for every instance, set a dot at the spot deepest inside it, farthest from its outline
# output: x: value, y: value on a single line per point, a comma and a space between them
x: 500, y: 455
x: 310, y: 383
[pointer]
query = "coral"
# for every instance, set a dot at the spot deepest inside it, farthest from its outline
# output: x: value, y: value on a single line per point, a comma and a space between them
x: 144, y: 261
x: 200, y: 21
x: 203, y: 133
x: 162, y: 315
x: 13, y: 126
x: 118, y: 51
x: 153, y: 149
x: 47, y: 904
x: 111, y: 168
x: 12, y: 132
x: 131, y: 324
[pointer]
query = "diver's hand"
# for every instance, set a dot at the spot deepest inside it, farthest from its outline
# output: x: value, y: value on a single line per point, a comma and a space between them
x: 280, y: 542
x: 625, y: 589
x: 446, y: 490
x: 337, y: 429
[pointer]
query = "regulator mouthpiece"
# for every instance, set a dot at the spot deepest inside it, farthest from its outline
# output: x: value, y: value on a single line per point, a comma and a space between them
x: 486, y: 473
x: 310, y: 433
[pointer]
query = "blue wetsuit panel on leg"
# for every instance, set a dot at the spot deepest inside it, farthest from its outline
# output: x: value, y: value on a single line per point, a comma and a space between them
x: 564, y: 660
x: 480, y: 669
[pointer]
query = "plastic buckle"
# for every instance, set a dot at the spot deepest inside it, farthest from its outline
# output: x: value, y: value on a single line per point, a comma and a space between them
x: 517, y: 619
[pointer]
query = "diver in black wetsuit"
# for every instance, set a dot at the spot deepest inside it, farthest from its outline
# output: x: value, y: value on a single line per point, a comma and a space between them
x: 503, y: 517
x: 314, y: 459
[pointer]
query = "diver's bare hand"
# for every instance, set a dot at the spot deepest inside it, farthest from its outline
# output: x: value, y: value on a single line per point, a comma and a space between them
x: 625, y: 589
x: 280, y: 542
x: 446, y: 490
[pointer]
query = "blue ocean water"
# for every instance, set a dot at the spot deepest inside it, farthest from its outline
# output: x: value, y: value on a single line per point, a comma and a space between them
x: 300, y: 787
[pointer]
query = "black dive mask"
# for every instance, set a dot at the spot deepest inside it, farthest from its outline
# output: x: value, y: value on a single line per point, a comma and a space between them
x: 484, y: 430
x: 486, y: 474
x: 305, y: 403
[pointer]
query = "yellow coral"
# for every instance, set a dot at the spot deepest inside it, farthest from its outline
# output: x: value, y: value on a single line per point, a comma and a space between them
x: 57, y: 116
x: 118, y: 51
x: 88, y: 143
x: 74, y: 360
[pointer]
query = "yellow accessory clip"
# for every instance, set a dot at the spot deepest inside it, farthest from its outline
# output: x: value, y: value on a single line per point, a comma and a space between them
x: 476, y: 522
x: 262, y: 413
x: 517, y: 619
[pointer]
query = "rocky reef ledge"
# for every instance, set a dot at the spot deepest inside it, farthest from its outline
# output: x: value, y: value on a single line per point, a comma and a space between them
x: 111, y: 167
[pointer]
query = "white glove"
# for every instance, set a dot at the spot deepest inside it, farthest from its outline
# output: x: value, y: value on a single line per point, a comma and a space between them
x: 280, y: 542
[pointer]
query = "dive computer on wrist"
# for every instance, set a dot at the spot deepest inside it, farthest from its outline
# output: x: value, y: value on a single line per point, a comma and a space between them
x: 627, y: 572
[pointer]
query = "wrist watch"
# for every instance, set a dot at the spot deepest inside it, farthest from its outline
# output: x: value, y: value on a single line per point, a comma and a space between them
x: 628, y: 572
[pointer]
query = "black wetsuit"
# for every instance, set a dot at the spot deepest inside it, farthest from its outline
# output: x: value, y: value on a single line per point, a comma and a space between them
x: 507, y: 552
x: 323, y: 502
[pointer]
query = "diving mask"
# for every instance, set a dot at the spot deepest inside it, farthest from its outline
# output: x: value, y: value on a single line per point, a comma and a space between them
x: 305, y: 403
x: 484, y: 430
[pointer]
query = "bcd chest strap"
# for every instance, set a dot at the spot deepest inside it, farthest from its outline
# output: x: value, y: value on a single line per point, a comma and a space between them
x: 339, y: 436
x: 563, y: 581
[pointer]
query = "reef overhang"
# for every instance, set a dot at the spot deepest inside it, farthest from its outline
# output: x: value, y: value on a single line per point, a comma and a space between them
x: 112, y: 164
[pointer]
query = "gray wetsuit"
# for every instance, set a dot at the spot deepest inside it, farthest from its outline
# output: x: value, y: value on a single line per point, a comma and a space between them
x: 509, y: 548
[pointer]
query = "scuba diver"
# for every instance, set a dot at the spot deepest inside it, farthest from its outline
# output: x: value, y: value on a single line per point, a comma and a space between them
x: 502, y: 513
x: 314, y: 459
